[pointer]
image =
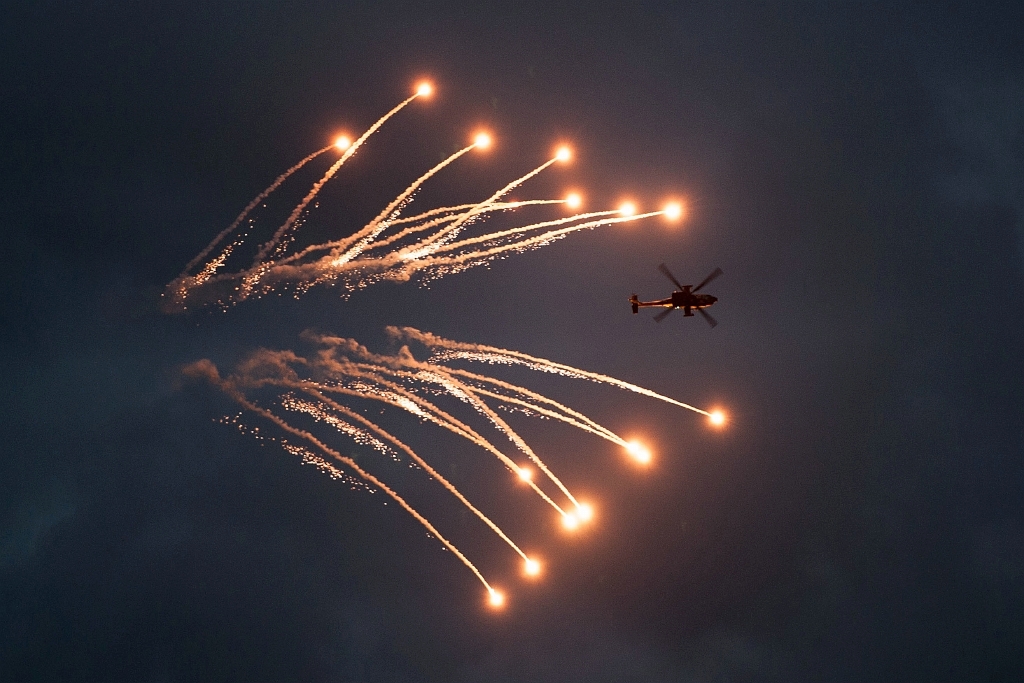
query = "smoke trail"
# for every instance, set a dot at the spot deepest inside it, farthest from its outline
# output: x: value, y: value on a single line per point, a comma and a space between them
x: 252, y: 205
x: 265, y: 368
x: 401, y: 398
x: 405, y: 359
x: 494, y: 236
x: 522, y: 245
x: 374, y: 228
x: 448, y: 233
x: 458, y: 389
x: 421, y: 462
x: 425, y: 244
x: 297, y: 211
x: 561, y: 412
x: 498, y: 206
x: 491, y: 354
x: 342, y: 368
x: 208, y: 371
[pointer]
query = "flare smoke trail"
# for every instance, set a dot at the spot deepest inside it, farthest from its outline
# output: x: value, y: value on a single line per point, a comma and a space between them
x: 389, y: 247
x: 451, y: 350
x: 321, y: 385
x: 209, y: 371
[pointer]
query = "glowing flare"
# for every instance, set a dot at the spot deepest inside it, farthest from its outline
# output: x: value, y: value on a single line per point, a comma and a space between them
x: 343, y: 142
x: 563, y: 154
x: 717, y: 418
x: 573, y: 200
x: 525, y: 473
x: 531, y: 567
x: 482, y: 140
x: 639, y: 452
x: 425, y: 89
x: 570, y: 521
x: 673, y: 210
x: 496, y: 599
x: 584, y: 512
x: 627, y: 208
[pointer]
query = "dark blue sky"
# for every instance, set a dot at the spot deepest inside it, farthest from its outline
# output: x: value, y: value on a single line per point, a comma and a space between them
x: 856, y: 171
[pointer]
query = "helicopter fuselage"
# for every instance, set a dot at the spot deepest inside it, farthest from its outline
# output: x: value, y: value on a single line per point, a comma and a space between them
x: 684, y: 299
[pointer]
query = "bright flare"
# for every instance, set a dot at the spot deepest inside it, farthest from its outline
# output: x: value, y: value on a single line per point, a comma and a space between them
x: 627, y: 208
x: 496, y: 599
x: 570, y: 521
x: 717, y: 418
x: 343, y: 142
x: 639, y: 452
x: 482, y: 140
x: 525, y: 473
x: 531, y: 567
x: 573, y: 201
x: 424, y: 89
x: 585, y: 512
x: 673, y: 211
x: 563, y: 154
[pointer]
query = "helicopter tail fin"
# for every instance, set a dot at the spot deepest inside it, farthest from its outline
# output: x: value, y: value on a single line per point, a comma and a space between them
x: 635, y: 303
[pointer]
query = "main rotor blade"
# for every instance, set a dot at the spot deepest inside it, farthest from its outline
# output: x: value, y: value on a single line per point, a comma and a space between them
x: 709, y: 278
x: 707, y: 316
x: 661, y: 316
x: 664, y: 271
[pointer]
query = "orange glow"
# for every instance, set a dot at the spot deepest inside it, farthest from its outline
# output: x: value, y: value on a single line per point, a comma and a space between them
x: 342, y: 142
x: 531, y: 567
x: 627, y: 208
x: 639, y: 452
x: 570, y: 521
x: 717, y: 418
x: 482, y: 140
x: 496, y: 599
x: 673, y: 211
x: 563, y: 154
x: 584, y: 512
x: 425, y: 89
x: 525, y: 473
x: 573, y: 200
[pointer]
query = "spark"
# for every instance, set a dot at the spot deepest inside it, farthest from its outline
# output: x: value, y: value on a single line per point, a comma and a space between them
x: 525, y: 473
x: 584, y: 512
x: 717, y: 418
x: 495, y: 598
x: 639, y: 452
x: 673, y: 211
x: 570, y: 521
x: 482, y: 141
x: 343, y: 142
x: 627, y: 208
x: 573, y: 200
x: 425, y: 89
x: 531, y: 567
x: 563, y: 153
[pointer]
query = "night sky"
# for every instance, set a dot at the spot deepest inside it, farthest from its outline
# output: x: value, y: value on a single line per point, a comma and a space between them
x: 857, y: 171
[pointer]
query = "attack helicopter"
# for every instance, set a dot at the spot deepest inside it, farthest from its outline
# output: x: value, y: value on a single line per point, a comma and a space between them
x: 685, y: 297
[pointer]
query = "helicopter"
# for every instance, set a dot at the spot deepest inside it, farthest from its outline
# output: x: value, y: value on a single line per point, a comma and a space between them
x: 685, y: 297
